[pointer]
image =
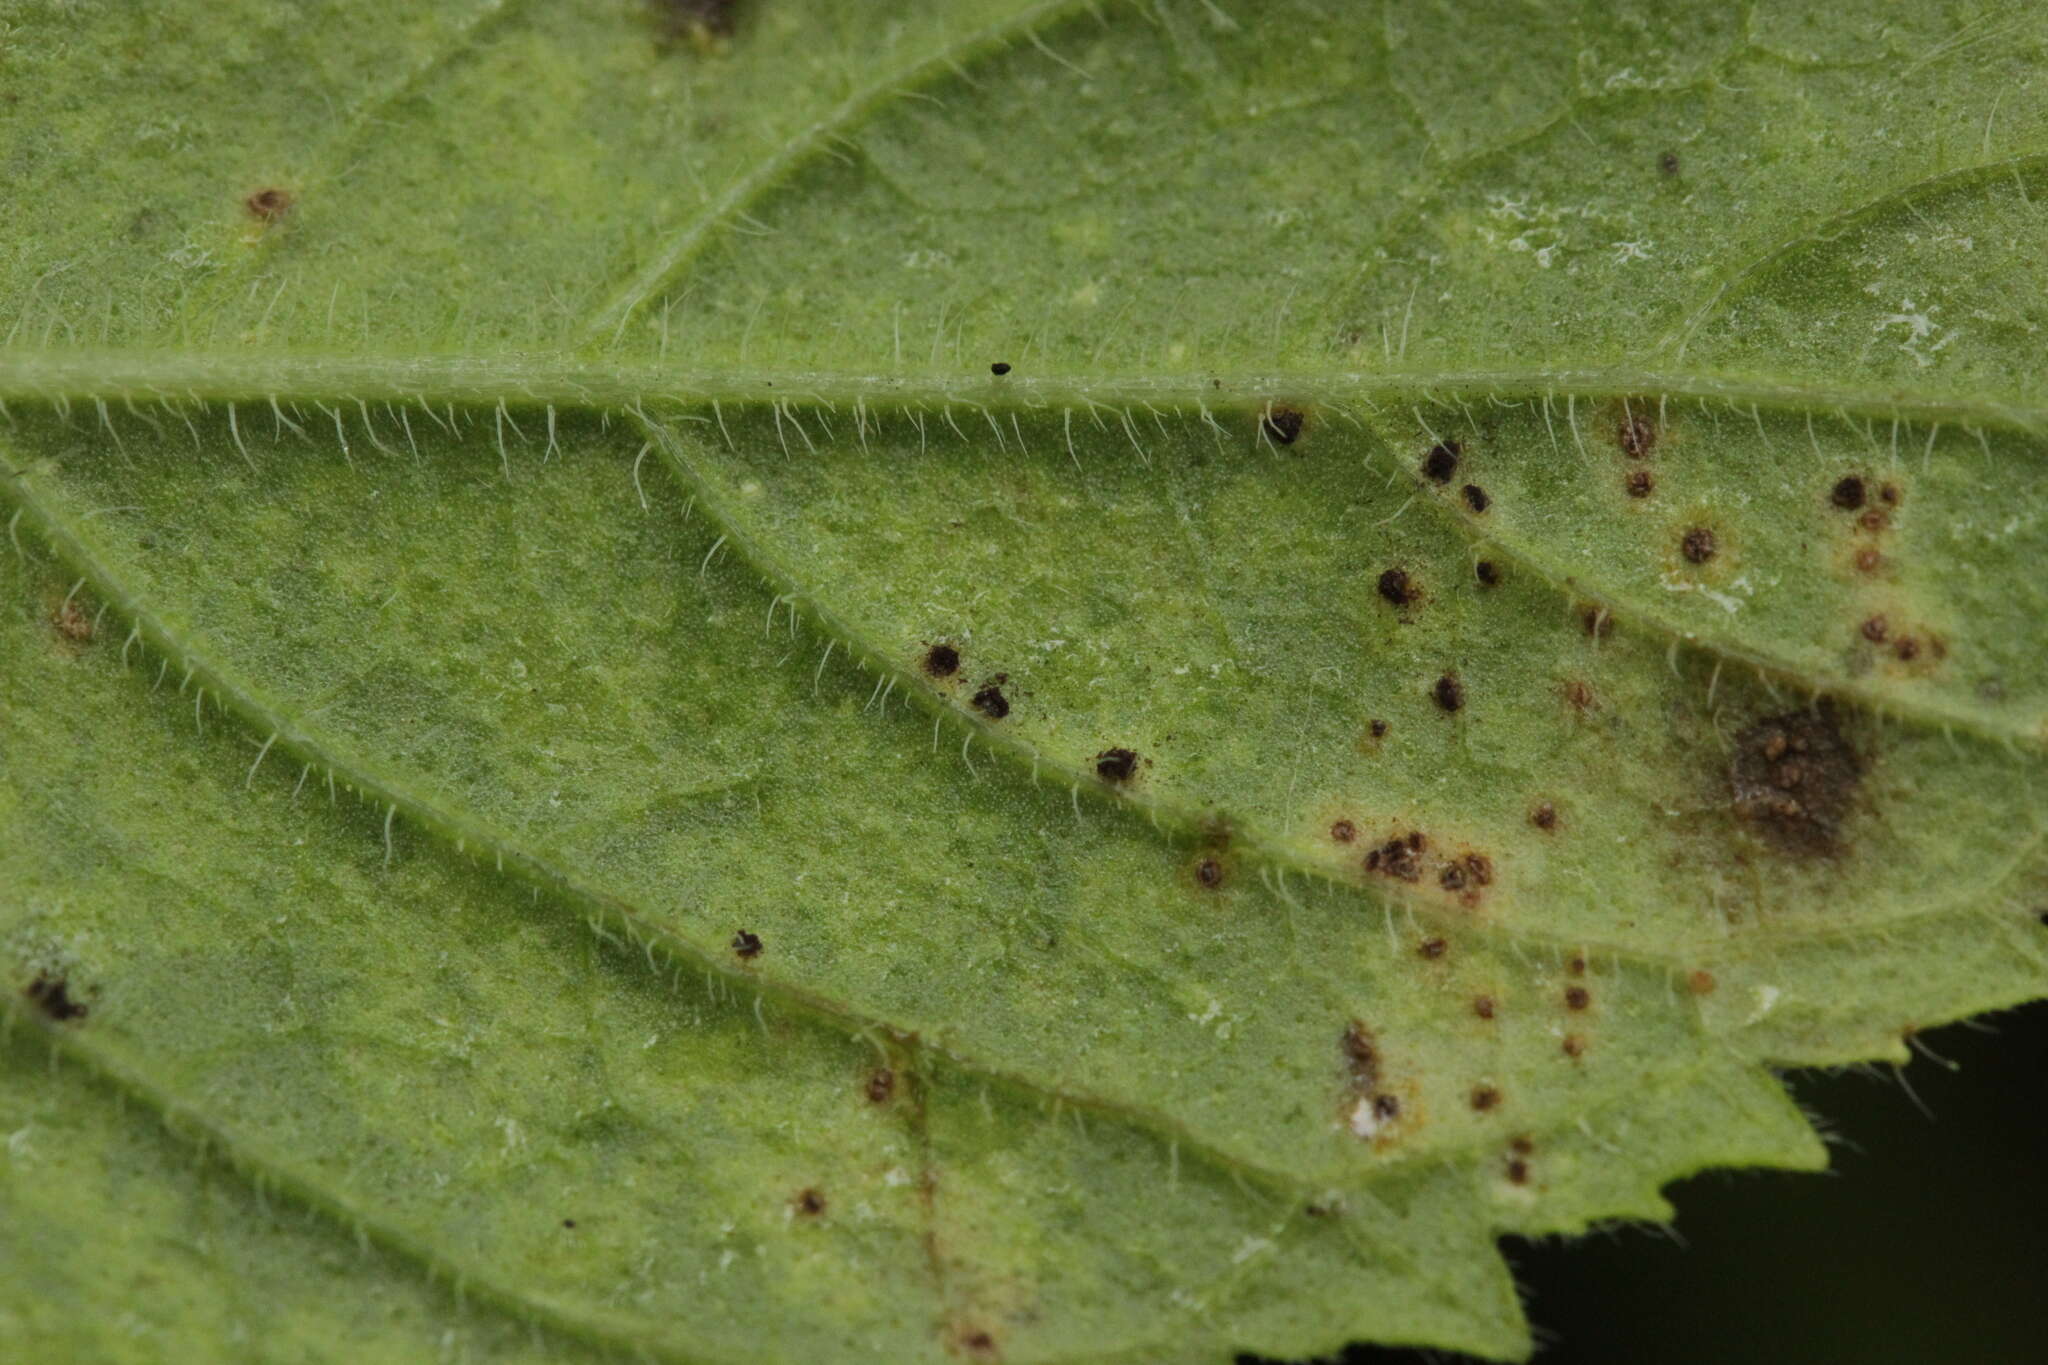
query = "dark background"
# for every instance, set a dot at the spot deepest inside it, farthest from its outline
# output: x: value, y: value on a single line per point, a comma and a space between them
x: 1927, y: 1242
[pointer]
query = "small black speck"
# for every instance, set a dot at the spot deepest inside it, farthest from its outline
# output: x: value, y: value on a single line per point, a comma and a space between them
x: 747, y: 944
x: 1449, y: 692
x: 1000, y: 367
x: 1475, y: 497
x: 1848, y: 493
x: 568, y: 1222
x: 1398, y: 588
x: 1488, y: 571
x: 990, y: 700
x: 1441, y: 462
x: 1668, y: 163
x: 53, y: 995
x: 1116, y: 765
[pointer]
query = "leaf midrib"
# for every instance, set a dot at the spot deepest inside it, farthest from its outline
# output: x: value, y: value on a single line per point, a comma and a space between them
x: 576, y: 381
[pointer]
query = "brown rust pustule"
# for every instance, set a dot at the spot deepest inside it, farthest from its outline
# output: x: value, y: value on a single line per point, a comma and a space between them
x: 1794, y: 780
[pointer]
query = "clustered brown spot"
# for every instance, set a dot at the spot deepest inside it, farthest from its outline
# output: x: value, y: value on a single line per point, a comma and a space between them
x: 269, y: 204
x: 1698, y: 545
x: 1639, y: 483
x: 1485, y: 1098
x: 942, y: 661
x: 1343, y: 831
x: 1849, y: 493
x: 1577, y: 997
x: 1442, y: 461
x: 747, y: 944
x: 1282, y: 425
x: 881, y: 1085
x: 52, y: 995
x: 1116, y: 765
x: 1399, y: 857
x: 1483, y: 1006
x: 809, y: 1202
x: 989, y: 700
x: 1471, y: 871
x: 1398, y: 588
x: 1475, y: 497
x: 1488, y: 573
x: 1794, y: 779
x: 1636, y: 435
x: 1209, y: 874
x: 1544, y: 817
x: 1448, y: 692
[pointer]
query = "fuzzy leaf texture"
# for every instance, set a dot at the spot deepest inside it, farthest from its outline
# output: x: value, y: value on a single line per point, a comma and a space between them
x: 581, y: 775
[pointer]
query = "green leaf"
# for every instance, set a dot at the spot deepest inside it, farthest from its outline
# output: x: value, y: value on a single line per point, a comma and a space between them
x: 999, y: 681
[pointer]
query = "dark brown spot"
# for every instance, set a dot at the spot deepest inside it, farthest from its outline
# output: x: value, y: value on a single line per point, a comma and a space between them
x: 809, y: 1202
x: 1577, y: 997
x: 1471, y: 871
x: 1874, y: 629
x: 1489, y: 575
x: 990, y: 700
x: 1386, y: 1106
x: 1698, y: 545
x: 269, y: 204
x: 1577, y: 966
x: 1668, y: 163
x: 881, y: 1085
x: 1596, y: 622
x: 1448, y: 692
x: 1907, y: 648
x: 1442, y: 461
x: 1579, y: 694
x: 1518, y: 1172
x: 1794, y: 779
x: 1848, y: 493
x: 1889, y: 495
x: 1343, y: 831
x: 1209, y: 874
x: 1378, y: 729
x: 1574, y: 1046
x: 1639, y: 483
x: 1484, y: 1098
x: 1875, y: 519
x: 701, y: 21
x: 52, y: 995
x: 1433, y: 948
x: 942, y: 661
x: 1281, y: 425
x: 1636, y: 436
x: 1868, y: 560
x: 568, y: 1222
x: 1398, y: 588
x: 1452, y: 878
x: 747, y: 944
x: 1001, y: 367
x: 1522, y: 1145
x: 1116, y: 765
x: 1399, y: 858
x: 1475, y: 497
x: 1700, y: 982
x: 1361, y: 1055
x: 978, y: 1344
x: 1544, y: 817
x: 1483, y: 1006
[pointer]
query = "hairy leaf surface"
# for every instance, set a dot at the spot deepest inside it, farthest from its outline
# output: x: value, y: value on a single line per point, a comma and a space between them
x: 1026, y: 682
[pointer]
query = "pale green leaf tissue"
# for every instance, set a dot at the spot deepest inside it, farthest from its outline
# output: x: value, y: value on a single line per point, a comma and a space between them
x: 969, y: 680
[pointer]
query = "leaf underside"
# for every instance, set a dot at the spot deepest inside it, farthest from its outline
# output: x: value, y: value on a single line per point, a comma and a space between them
x: 995, y: 682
